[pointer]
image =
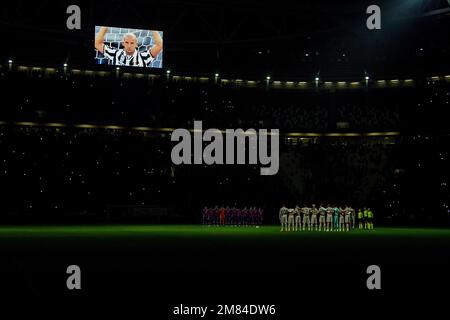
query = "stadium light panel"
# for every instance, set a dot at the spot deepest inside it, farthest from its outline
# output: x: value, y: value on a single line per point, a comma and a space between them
x: 26, y: 123
x: 56, y: 125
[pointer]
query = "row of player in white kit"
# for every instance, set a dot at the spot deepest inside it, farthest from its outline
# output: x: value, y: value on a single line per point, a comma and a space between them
x: 323, y: 218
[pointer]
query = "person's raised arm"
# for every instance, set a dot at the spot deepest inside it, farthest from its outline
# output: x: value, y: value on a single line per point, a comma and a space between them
x: 100, y: 39
x: 158, y: 44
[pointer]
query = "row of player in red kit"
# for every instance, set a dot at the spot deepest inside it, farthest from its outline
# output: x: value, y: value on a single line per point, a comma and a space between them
x: 232, y: 216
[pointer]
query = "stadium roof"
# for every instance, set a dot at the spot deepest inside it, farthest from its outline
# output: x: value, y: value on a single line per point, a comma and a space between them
x: 252, y: 38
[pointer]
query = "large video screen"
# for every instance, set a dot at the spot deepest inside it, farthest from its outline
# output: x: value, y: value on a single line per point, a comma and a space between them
x: 128, y: 47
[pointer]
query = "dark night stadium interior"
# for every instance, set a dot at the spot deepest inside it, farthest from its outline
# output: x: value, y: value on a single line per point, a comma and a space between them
x: 87, y: 174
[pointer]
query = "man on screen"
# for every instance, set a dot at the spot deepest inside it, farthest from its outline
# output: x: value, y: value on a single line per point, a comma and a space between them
x: 129, y: 55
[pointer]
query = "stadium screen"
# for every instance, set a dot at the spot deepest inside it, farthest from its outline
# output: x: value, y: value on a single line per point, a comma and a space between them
x: 128, y: 47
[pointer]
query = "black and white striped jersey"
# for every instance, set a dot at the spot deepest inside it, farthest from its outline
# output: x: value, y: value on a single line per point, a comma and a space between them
x: 119, y: 57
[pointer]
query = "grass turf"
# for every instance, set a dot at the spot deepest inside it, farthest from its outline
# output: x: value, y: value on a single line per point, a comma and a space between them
x: 227, y: 240
x: 197, y: 230
x: 184, y: 256
x: 188, y: 233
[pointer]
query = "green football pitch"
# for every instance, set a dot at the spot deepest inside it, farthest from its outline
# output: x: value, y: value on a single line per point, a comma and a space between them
x: 227, y: 244
x: 200, y: 231
x: 250, y: 261
x: 135, y: 237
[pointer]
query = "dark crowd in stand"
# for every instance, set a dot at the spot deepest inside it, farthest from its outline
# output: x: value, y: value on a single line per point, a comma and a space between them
x: 71, y: 173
